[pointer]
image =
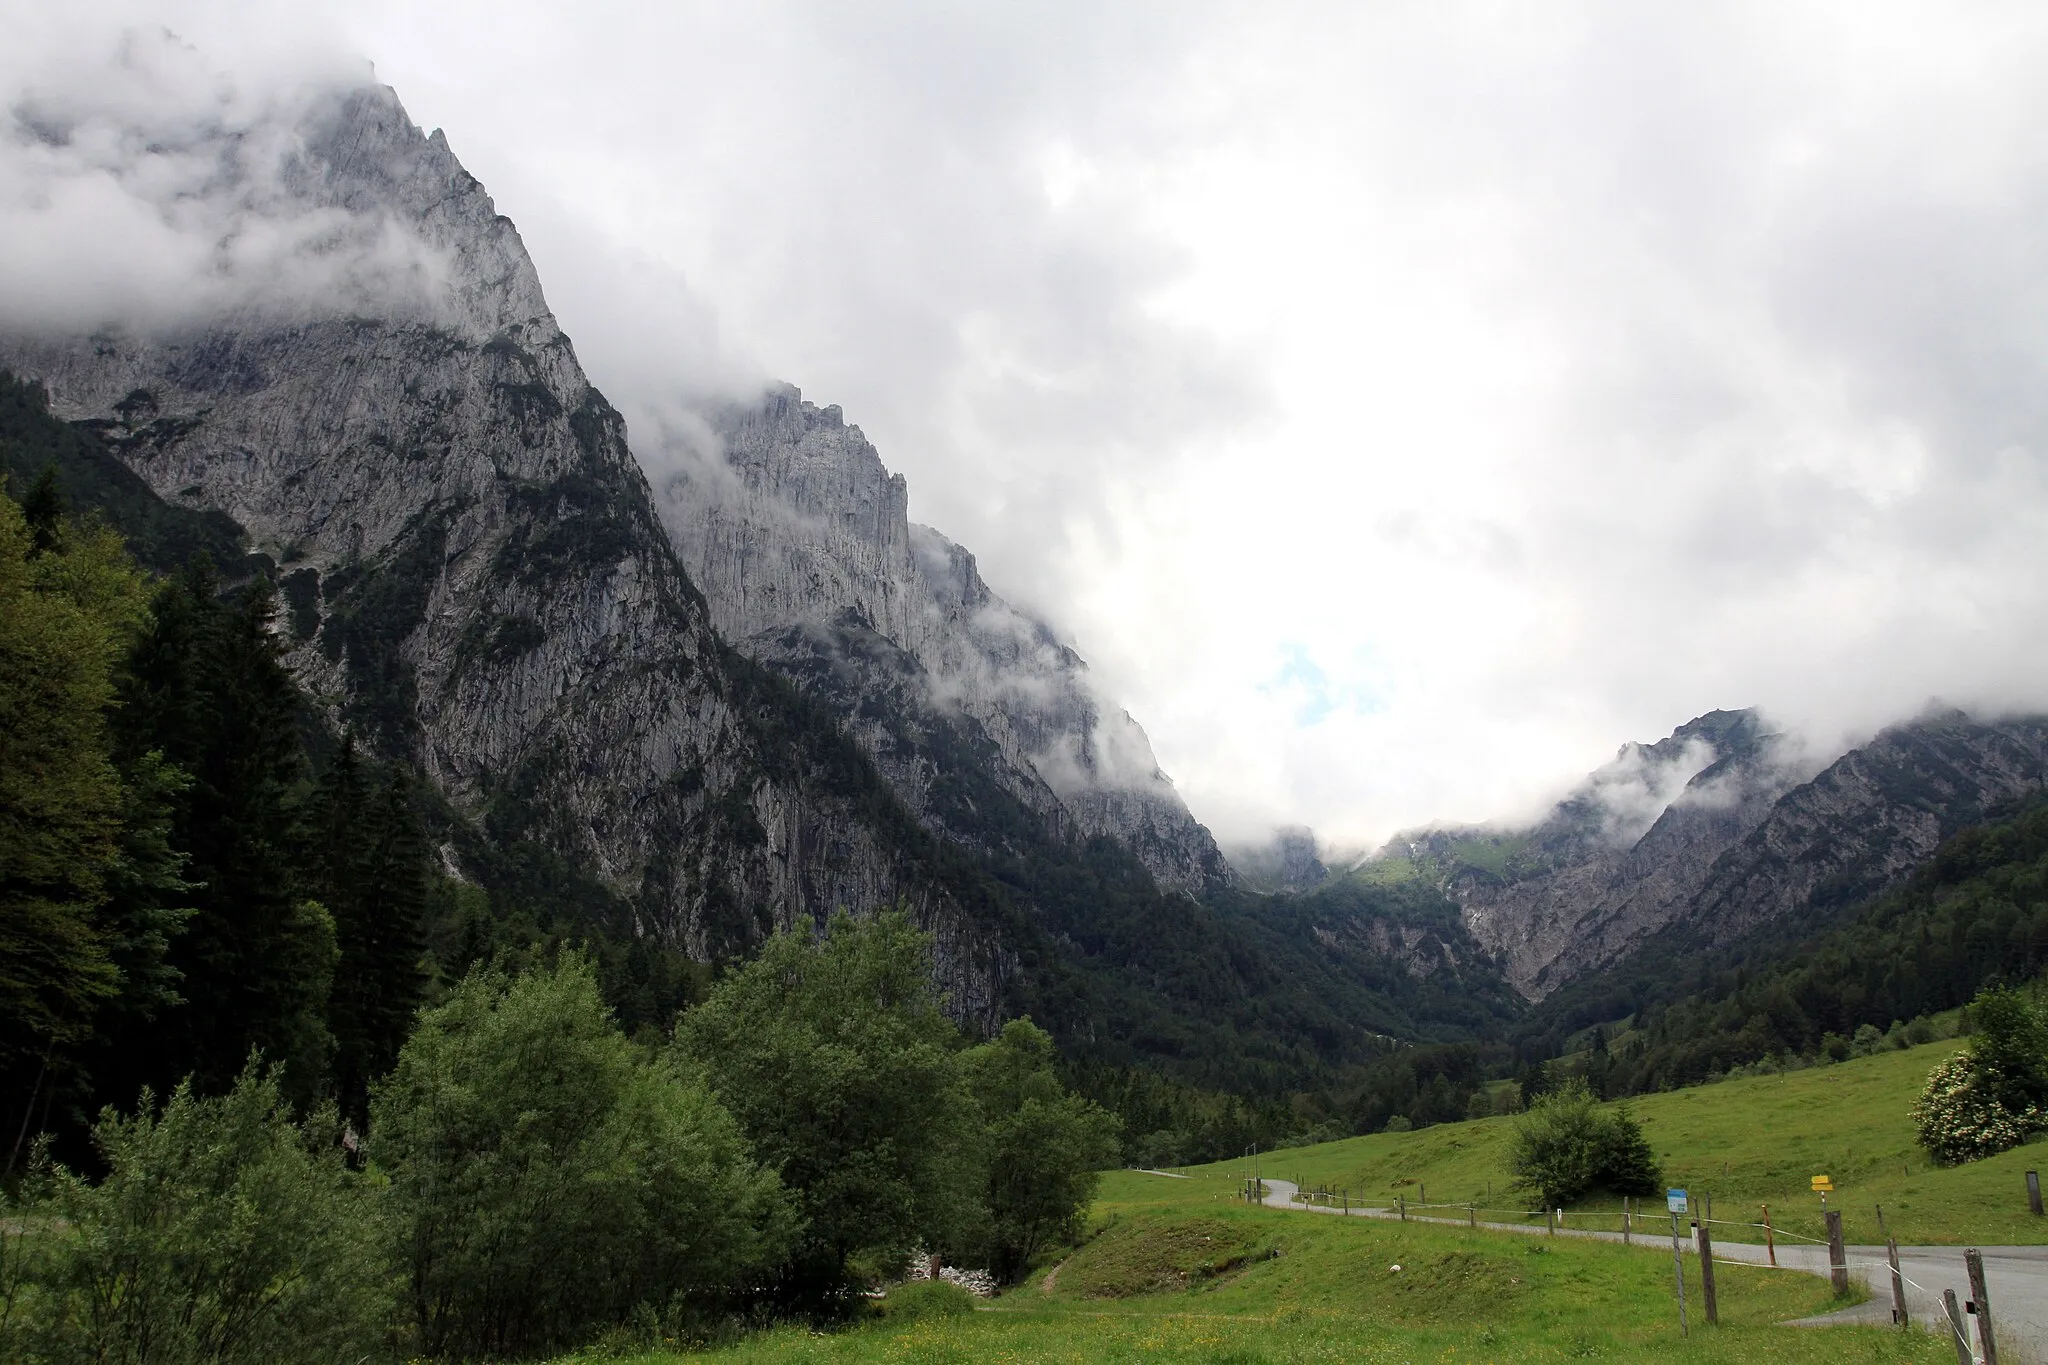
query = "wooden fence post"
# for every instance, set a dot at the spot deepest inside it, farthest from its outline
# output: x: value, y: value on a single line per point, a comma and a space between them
x: 1838, y: 1259
x: 1979, y: 1291
x: 1472, y: 1216
x: 1707, y: 1260
x: 1550, y: 1217
x: 1958, y: 1332
x: 1899, y: 1314
x: 1628, y: 1226
x: 2034, y: 1193
x: 1404, y: 1207
x: 1770, y: 1237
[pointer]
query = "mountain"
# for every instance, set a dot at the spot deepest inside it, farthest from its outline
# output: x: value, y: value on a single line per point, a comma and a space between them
x: 801, y: 540
x: 1290, y: 860
x: 478, y: 578
x: 686, y: 717
x: 1715, y: 831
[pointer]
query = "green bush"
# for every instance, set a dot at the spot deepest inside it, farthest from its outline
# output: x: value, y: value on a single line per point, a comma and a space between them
x: 1988, y: 1099
x: 222, y: 1232
x: 552, y: 1180
x: 1044, y: 1148
x: 845, y: 1074
x: 1566, y: 1147
x: 1960, y: 1120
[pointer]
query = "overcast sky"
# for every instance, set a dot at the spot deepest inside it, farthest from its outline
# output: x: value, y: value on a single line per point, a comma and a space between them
x: 1400, y: 406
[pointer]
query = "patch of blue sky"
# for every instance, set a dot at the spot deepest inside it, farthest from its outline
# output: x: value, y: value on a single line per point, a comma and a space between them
x: 1317, y: 696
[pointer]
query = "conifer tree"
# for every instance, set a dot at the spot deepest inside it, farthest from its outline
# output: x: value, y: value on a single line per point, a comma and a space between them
x: 365, y: 860
x: 211, y: 693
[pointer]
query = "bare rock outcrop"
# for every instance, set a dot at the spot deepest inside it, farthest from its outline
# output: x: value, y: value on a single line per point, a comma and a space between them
x: 794, y: 524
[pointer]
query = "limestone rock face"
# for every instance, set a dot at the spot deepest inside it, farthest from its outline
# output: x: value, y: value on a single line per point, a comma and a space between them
x: 793, y: 524
x: 1871, y: 817
x: 478, y: 576
x: 1289, y: 861
x: 1717, y: 830
x: 1591, y: 880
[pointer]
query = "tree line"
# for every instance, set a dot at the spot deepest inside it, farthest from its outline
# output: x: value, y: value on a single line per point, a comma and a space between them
x: 534, y: 1180
x: 177, y: 887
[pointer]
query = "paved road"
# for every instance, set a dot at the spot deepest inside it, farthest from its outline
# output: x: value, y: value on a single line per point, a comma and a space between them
x: 2017, y: 1277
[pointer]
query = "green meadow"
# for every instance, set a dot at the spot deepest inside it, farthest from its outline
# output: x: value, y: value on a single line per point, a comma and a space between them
x: 1175, y: 1272
x: 1750, y: 1142
x: 1182, y: 1270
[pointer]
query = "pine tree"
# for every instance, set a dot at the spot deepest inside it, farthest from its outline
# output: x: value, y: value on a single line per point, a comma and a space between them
x: 211, y: 693
x: 44, y: 510
x: 365, y: 859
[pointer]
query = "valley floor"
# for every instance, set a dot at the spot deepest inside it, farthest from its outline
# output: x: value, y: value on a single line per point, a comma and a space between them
x: 1195, y: 1277
x: 1184, y: 1270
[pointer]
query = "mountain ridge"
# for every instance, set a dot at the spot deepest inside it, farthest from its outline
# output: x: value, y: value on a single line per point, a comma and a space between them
x: 1720, y: 828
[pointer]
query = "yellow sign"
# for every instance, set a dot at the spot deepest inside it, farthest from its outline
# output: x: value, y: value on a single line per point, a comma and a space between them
x: 1822, y: 1184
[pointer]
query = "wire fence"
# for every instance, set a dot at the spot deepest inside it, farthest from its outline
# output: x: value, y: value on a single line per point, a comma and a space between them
x: 1946, y: 1318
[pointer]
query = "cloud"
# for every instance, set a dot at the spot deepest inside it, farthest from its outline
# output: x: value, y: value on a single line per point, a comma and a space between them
x: 1547, y: 376
x: 143, y: 185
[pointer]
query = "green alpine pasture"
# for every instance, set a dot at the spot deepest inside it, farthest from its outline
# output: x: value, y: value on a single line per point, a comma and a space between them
x: 1748, y: 1142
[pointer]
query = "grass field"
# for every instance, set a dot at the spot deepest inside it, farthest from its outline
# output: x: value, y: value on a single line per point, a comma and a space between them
x: 1749, y: 1142
x: 1180, y: 1270
x: 1173, y: 1274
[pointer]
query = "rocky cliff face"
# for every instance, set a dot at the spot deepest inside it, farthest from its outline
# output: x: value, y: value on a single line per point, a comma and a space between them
x: 477, y: 574
x: 1288, y: 861
x: 1716, y: 830
x: 1870, y: 817
x: 802, y: 542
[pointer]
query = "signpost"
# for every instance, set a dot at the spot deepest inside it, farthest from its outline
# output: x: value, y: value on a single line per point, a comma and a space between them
x: 1675, y: 1201
x: 1823, y: 1187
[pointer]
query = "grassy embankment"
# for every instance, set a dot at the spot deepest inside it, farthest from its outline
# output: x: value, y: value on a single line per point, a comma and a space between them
x: 1173, y: 1276
x: 1179, y: 1271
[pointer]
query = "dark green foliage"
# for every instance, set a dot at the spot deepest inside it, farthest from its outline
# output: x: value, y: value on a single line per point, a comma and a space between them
x: 1566, y: 1147
x: 2009, y: 1045
x: 917, y: 1300
x: 43, y: 510
x: 372, y: 608
x: 90, y: 480
x: 366, y: 862
x: 834, y: 1057
x: 81, y: 857
x: 209, y: 691
x: 581, y: 523
x: 550, y: 1179
x: 1044, y: 1149
x: 222, y: 1232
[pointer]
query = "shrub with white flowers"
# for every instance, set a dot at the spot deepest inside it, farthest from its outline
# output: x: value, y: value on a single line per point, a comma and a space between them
x: 1959, y: 1119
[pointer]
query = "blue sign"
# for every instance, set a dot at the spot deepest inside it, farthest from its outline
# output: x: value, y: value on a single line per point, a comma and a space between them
x: 1676, y: 1200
